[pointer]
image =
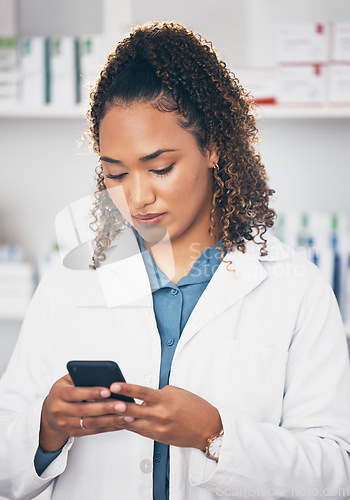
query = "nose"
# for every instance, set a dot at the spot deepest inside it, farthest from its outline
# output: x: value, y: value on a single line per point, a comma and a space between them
x: 141, y: 192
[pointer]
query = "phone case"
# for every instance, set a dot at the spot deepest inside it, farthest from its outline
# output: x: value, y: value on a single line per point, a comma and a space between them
x: 97, y: 374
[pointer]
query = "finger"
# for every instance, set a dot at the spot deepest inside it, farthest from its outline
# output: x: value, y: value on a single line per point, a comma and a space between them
x: 78, y: 432
x: 71, y: 393
x: 140, y: 411
x: 88, y: 409
x: 143, y: 427
x: 68, y: 378
x: 92, y: 424
x: 146, y: 394
x: 112, y: 407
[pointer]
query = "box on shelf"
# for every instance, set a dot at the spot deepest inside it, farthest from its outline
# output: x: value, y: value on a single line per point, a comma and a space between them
x: 34, y: 71
x: 340, y: 42
x: 301, y: 85
x: 56, y: 70
x: 261, y: 82
x: 302, y: 43
x: 64, y: 70
x: 8, y: 70
x: 91, y: 53
x: 339, y: 84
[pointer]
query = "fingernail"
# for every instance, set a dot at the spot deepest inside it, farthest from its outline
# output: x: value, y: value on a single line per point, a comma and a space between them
x: 115, y: 387
x: 128, y: 419
x: 105, y: 392
x: 119, y: 407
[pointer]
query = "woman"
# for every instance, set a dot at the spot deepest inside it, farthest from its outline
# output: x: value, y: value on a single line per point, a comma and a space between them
x: 233, y: 344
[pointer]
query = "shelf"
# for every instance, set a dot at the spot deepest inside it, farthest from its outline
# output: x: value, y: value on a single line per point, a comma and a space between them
x: 48, y: 111
x: 262, y: 112
x: 302, y: 112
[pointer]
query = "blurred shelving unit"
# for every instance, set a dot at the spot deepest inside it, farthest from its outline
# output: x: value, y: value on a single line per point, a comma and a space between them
x: 111, y: 19
x: 262, y: 112
x: 300, y: 112
x: 17, y: 111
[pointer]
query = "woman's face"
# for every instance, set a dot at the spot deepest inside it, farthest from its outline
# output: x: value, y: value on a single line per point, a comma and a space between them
x: 153, y: 166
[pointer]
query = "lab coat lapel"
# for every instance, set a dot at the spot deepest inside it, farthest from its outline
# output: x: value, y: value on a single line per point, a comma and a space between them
x: 226, y: 287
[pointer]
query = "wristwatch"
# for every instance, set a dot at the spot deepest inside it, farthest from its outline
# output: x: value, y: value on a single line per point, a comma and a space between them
x: 214, y: 442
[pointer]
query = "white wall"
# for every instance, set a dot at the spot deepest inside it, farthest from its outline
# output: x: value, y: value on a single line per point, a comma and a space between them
x: 42, y: 170
x: 307, y: 161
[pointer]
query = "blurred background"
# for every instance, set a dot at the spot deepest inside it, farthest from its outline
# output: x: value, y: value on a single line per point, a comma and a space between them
x: 294, y: 57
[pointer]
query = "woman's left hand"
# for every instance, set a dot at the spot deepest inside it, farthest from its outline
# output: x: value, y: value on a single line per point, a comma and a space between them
x: 169, y: 415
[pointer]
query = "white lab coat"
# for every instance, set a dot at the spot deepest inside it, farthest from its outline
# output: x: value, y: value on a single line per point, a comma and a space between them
x: 265, y: 345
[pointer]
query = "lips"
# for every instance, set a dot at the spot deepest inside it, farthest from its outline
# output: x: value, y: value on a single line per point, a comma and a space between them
x: 147, y: 216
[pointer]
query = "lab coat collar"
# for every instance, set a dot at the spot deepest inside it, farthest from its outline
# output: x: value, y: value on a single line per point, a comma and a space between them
x: 124, y: 280
x: 125, y: 284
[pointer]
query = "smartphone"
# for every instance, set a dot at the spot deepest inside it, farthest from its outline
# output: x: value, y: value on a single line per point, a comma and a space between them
x: 97, y: 374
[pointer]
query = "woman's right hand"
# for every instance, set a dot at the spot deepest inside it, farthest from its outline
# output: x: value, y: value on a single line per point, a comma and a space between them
x: 66, y: 404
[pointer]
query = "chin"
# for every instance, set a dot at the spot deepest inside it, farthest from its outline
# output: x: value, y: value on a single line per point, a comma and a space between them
x: 154, y: 233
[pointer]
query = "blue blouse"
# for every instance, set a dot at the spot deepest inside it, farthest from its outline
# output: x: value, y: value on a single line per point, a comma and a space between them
x: 173, y: 305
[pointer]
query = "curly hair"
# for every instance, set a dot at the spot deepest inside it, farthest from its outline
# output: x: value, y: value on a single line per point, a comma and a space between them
x: 175, y: 70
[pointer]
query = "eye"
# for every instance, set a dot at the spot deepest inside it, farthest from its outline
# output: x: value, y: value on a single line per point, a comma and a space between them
x: 115, y: 177
x: 164, y: 171
x: 161, y: 172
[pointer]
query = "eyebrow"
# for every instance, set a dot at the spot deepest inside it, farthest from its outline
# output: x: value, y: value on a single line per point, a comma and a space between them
x: 151, y: 156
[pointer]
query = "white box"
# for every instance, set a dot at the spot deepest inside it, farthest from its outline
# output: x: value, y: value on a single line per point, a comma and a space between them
x: 63, y: 70
x: 8, y: 54
x: 9, y: 77
x: 302, y: 43
x: 302, y: 84
x: 92, y: 58
x: 340, y: 42
x: 339, y: 84
x: 9, y: 87
x: 260, y: 82
x: 34, y: 71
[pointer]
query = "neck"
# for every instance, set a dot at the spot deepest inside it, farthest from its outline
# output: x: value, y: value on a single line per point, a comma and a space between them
x: 175, y: 257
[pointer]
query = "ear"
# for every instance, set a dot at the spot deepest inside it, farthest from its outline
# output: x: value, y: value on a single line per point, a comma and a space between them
x: 213, y: 156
